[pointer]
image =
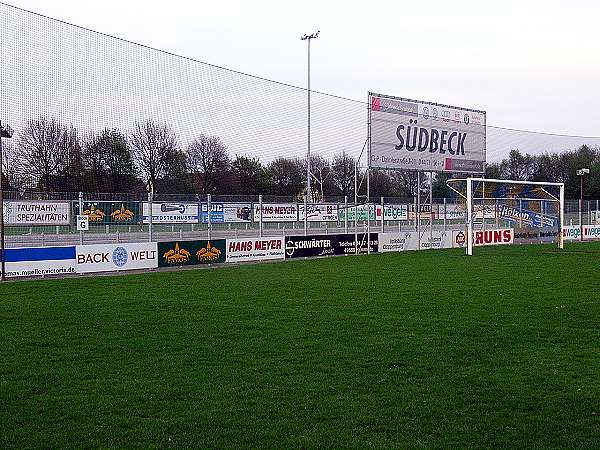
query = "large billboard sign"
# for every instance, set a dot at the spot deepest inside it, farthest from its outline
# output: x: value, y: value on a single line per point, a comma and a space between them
x: 416, y: 135
x: 28, y: 213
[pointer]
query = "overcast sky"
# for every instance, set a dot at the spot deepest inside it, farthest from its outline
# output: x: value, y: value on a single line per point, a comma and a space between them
x: 531, y: 65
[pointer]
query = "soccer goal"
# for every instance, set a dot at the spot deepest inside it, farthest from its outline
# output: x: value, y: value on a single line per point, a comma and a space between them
x: 497, y: 211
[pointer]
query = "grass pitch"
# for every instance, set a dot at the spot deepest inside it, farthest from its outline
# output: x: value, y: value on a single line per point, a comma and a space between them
x: 429, y: 349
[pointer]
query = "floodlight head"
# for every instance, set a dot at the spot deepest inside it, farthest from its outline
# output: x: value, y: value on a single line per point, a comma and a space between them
x: 6, y: 132
x: 582, y: 172
x: 310, y: 36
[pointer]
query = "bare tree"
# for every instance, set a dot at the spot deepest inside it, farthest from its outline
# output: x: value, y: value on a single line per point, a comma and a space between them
x: 208, y: 160
x: 155, y: 150
x: 322, y: 174
x: 343, y: 173
x: 43, y: 152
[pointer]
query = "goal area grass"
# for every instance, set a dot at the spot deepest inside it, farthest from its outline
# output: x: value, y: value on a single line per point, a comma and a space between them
x: 415, y: 349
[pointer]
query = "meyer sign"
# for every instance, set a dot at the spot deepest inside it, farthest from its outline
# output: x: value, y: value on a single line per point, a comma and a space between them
x: 276, y: 212
x: 36, y: 213
x: 416, y: 135
x: 240, y: 250
x: 114, y: 257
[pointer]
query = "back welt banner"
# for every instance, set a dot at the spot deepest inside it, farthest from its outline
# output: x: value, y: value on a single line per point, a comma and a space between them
x: 114, y: 257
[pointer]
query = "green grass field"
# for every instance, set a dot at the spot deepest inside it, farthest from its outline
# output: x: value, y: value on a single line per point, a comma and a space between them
x: 410, y: 350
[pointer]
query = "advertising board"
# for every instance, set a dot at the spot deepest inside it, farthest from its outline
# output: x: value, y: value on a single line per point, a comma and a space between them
x: 372, y: 211
x: 39, y: 261
x: 591, y: 232
x: 525, y: 217
x: 395, y: 212
x: 571, y: 233
x: 319, y: 212
x: 116, y: 257
x: 171, y: 212
x: 398, y: 242
x: 188, y: 253
x: 499, y: 236
x: 29, y: 213
x: 251, y: 249
x: 227, y: 212
x: 329, y: 244
x: 417, y: 135
x: 276, y: 212
x: 104, y: 212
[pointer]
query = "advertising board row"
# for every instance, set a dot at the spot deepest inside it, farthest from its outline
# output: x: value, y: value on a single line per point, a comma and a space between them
x: 41, y: 261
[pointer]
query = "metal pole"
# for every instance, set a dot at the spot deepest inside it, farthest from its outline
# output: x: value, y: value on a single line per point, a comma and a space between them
x: 430, y: 206
x: 305, y: 215
x: 445, y: 214
x: 81, y: 212
x: 345, y: 214
x: 418, y: 212
x: 209, y: 219
x: 260, y: 216
x: 581, y: 207
x: 415, y: 211
x: 308, y: 190
x: 355, y: 207
x: 561, y: 242
x: 150, y: 195
x: 2, y: 264
x: 382, y: 215
x: 469, y: 218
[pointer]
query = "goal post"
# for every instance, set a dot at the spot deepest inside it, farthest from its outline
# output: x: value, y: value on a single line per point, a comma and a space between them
x: 530, y: 207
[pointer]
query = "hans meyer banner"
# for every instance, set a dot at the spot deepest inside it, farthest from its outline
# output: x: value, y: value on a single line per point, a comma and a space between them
x: 329, y: 244
x: 416, y: 135
x: 319, y: 213
x: 115, y: 257
x: 240, y: 250
x: 39, y: 261
x: 276, y: 212
x: 171, y: 212
x: 36, y: 213
x: 227, y: 212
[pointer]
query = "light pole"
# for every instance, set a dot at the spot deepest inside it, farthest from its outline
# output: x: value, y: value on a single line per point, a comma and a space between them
x: 5, y: 132
x: 308, y: 38
x: 581, y: 173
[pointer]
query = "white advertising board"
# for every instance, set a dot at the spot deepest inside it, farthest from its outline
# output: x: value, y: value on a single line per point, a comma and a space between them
x: 409, y: 240
x: 29, y: 213
x: 114, y: 257
x: 171, y: 212
x: 500, y: 236
x: 227, y: 212
x: 395, y: 212
x: 39, y: 261
x: 240, y: 250
x: 276, y: 212
x: 591, y: 231
x: 571, y: 233
x: 417, y: 135
x: 319, y: 212
x: 435, y: 240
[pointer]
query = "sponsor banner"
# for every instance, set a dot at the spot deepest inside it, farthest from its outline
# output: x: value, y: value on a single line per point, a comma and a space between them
x: 171, y: 212
x: 571, y: 233
x: 329, y: 244
x: 426, y: 212
x: 319, y: 213
x: 409, y: 240
x: 484, y: 237
x: 591, y: 231
x: 395, y: 212
x: 39, y: 261
x: 454, y: 211
x: 188, y: 253
x: 595, y: 217
x: 276, y: 212
x: 525, y: 217
x: 240, y: 250
x: 361, y: 212
x: 416, y: 135
x: 115, y: 257
x: 30, y: 213
x: 227, y: 212
x: 101, y: 212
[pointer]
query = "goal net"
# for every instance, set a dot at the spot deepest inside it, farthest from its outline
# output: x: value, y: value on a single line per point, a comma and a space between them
x: 497, y: 211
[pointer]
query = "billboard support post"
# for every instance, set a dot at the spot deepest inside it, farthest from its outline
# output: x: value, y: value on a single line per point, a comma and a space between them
x: 418, y: 212
x: 81, y: 212
x: 208, y: 218
x: 260, y: 216
x: 430, y: 206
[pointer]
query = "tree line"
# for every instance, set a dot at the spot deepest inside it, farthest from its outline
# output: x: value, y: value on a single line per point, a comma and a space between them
x: 50, y: 156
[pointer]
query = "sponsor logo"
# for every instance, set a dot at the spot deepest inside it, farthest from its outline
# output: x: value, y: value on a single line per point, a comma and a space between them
x: 431, y: 140
x: 208, y: 253
x: 119, y: 256
x: 467, y: 119
x: 491, y: 237
x: 122, y: 214
x: 177, y: 255
x: 292, y: 246
x: 460, y: 239
x: 94, y: 214
x: 426, y: 112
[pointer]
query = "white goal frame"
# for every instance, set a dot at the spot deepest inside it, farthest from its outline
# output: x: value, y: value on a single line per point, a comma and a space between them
x: 469, y: 204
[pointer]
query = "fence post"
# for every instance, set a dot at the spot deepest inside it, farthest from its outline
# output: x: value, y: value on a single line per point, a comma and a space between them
x: 260, y: 216
x: 345, y: 214
x: 382, y: 214
x: 415, y: 212
x: 209, y: 219
x: 150, y: 215
x: 305, y: 215
x: 445, y: 226
x: 80, y: 213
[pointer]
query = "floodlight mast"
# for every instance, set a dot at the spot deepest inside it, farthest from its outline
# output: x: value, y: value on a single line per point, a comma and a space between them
x: 308, y: 38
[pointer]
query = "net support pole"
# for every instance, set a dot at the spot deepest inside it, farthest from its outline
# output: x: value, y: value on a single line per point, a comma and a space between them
x: 469, y: 217
x: 561, y: 243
